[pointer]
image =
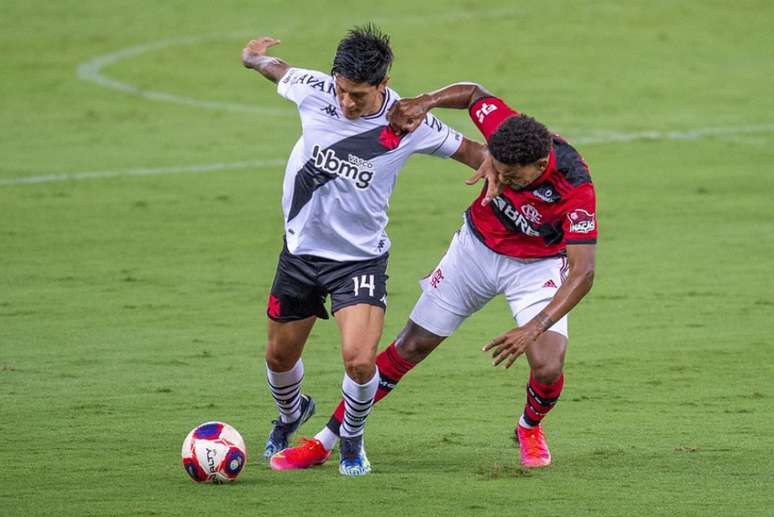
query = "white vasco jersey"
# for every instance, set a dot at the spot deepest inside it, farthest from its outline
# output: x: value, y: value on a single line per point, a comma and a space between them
x: 341, y: 172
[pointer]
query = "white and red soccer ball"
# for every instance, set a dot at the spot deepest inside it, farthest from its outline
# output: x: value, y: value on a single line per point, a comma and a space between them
x: 215, y: 452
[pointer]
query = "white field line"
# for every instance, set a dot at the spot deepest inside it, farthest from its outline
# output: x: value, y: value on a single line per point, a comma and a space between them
x: 210, y: 167
x: 608, y: 137
x: 91, y: 71
x: 598, y: 138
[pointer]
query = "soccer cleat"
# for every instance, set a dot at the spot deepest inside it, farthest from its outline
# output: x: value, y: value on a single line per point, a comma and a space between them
x: 278, y: 438
x: 354, y: 461
x: 533, y: 448
x: 308, y: 453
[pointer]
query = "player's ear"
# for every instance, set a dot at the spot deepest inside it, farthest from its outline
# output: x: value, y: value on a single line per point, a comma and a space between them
x: 542, y: 164
x: 383, y: 84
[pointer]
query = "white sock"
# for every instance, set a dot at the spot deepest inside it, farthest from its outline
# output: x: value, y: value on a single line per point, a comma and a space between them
x: 358, y: 401
x: 523, y: 423
x: 285, y: 387
x: 327, y: 438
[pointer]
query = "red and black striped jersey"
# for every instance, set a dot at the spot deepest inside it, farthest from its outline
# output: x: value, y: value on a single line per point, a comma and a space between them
x: 541, y: 219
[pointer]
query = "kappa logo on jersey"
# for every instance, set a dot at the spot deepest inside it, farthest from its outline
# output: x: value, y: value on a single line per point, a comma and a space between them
x: 330, y: 110
x: 520, y: 223
x: 531, y: 213
x: 358, y: 171
x: 484, y: 110
x: 581, y: 221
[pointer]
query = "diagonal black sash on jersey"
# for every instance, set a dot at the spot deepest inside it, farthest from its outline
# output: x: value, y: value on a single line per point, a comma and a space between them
x: 363, y: 145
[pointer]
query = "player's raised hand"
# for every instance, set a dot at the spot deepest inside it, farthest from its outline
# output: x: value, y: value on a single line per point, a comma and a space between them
x: 488, y: 172
x: 511, y: 345
x: 405, y: 115
x: 255, y: 50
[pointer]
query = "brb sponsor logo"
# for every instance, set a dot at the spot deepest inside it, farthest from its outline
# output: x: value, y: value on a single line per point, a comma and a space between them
x: 355, y: 169
x: 517, y: 218
x: 581, y: 221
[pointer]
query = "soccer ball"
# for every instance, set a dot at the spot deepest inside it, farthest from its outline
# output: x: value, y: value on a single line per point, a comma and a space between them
x: 215, y: 452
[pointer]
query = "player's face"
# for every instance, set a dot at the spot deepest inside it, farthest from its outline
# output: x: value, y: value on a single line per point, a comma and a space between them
x: 519, y: 176
x: 358, y: 99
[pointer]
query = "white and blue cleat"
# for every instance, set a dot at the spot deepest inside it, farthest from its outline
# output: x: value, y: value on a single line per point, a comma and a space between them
x: 354, y: 461
x: 280, y: 434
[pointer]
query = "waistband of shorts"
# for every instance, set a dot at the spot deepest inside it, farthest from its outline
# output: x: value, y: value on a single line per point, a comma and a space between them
x: 324, y: 260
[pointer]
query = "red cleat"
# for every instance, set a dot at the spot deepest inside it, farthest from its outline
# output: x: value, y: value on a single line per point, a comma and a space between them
x: 308, y: 453
x: 533, y: 448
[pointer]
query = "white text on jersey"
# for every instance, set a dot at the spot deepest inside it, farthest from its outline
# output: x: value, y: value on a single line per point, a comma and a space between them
x: 355, y: 169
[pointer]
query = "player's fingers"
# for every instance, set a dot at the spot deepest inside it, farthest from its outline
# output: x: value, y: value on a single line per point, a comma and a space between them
x: 502, y: 356
x: 512, y: 359
x: 474, y: 179
x: 494, y: 342
x: 414, y: 124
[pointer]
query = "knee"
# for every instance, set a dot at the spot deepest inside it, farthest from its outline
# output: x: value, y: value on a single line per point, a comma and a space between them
x: 548, y: 373
x: 360, y: 369
x: 278, y: 358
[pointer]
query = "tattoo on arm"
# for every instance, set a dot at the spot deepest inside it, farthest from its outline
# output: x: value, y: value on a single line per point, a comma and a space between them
x: 543, y: 321
x: 270, y: 67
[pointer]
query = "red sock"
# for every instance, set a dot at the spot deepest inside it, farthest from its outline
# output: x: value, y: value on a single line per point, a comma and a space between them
x: 392, y: 367
x: 541, y: 398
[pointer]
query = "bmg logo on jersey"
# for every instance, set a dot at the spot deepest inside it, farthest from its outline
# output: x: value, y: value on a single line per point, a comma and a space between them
x: 355, y: 169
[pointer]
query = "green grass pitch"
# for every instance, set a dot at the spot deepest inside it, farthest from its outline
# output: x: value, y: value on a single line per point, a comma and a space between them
x: 132, y: 289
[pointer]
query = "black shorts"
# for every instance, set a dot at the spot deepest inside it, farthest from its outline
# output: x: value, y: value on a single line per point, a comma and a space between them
x: 302, y: 282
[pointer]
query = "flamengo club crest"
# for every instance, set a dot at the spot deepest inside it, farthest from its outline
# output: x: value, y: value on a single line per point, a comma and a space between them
x: 531, y: 213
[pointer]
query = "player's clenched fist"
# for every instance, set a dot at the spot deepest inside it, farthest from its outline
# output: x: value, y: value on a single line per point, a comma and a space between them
x: 255, y: 51
x: 406, y: 114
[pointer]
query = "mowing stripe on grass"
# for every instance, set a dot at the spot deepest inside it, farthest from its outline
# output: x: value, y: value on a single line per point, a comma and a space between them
x: 598, y: 138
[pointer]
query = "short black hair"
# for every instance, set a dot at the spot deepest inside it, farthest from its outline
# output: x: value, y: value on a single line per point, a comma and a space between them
x: 520, y: 140
x: 364, y: 55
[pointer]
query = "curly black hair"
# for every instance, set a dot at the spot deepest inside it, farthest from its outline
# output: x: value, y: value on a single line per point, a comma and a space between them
x: 364, y: 55
x: 520, y: 140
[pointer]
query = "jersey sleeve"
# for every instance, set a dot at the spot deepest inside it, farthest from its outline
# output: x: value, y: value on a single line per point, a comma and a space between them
x: 297, y: 83
x: 436, y: 138
x: 580, y: 218
x: 488, y: 113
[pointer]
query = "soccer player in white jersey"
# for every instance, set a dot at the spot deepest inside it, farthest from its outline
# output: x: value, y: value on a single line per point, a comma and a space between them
x: 338, y: 181
x: 535, y: 243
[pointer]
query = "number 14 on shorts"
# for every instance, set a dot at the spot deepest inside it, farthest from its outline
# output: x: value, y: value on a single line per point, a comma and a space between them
x: 362, y: 282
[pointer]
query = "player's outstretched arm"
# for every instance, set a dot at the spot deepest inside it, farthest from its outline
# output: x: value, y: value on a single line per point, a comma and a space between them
x: 254, y: 56
x: 513, y: 343
x: 471, y: 153
x: 406, y: 114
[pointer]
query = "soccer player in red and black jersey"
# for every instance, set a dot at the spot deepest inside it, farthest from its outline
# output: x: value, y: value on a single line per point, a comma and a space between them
x: 532, y: 238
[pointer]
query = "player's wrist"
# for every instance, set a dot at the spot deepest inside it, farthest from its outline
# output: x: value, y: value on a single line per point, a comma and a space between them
x: 542, y: 322
x: 428, y: 101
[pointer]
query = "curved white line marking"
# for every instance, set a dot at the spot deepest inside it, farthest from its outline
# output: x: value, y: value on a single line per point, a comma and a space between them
x: 91, y: 70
